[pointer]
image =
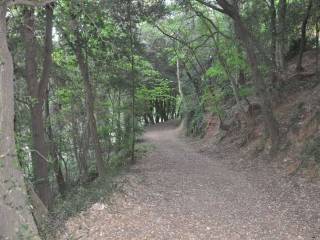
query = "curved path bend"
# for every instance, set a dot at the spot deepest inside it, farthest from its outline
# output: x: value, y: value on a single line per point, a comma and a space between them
x: 176, y: 192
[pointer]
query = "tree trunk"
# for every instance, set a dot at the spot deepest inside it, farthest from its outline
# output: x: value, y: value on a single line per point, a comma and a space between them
x: 151, y: 118
x: 179, y: 78
x: 232, y: 79
x: 119, y: 128
x: 282, y: 35
x: 194, y: 82
x: 317, y: 45
x: 303, y: 36
x: 16, y: 220
x: 273, y: 26
x: 40, y: 155
x: 145, y: 118
x: 84, y: 69
x: 80, y: 147
x: 271, y: 124
x: 133, y: 87
x: 40, y: 151
x: 54, y: 153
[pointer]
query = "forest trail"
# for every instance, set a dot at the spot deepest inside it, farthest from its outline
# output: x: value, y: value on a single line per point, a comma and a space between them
x: 175, y: 192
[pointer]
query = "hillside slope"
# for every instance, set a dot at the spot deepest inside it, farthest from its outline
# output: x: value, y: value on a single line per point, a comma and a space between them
x: 297, y: 108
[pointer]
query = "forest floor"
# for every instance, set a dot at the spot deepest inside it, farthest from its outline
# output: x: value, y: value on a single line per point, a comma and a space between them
x: 180, y: 191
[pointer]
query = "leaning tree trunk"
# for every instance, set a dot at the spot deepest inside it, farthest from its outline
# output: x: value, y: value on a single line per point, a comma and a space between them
x: 249, y: 44
x: 303, y: 36
x: 37, y: 92
x: 271, y: 124
x: 16, y: 220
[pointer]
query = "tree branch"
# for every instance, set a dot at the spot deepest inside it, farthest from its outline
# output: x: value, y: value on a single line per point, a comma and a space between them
x: 185, y: 43
x: 205, y: 18
x: 212, y: 6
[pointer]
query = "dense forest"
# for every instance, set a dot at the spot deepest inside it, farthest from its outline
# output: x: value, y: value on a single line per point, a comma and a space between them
x: 80, y: 80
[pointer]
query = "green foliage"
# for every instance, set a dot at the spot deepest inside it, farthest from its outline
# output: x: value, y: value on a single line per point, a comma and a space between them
x: 152, y: 88
x: 160, y: 91
x: 213, y: 100
x: 246, y: 91
x: 62, y: 58
x: 195, y: 123
x: 65, y: 96
x: 216, y: 71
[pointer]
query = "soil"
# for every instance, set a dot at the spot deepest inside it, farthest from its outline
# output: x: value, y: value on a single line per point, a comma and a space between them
x: 183, y: 190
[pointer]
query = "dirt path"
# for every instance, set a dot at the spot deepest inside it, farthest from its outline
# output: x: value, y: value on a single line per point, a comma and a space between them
x: 177, y: 193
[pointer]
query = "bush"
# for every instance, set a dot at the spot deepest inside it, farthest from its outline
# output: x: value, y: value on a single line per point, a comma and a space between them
x: 195, y: 122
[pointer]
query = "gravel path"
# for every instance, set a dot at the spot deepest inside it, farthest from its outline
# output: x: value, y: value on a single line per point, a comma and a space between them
x: 175, y: 192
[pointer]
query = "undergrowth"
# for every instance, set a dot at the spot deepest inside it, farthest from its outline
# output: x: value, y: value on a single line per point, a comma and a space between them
x: 77, y: 199
x: 195, y: 123
x: 311, y: 150
x: 81, y: 197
